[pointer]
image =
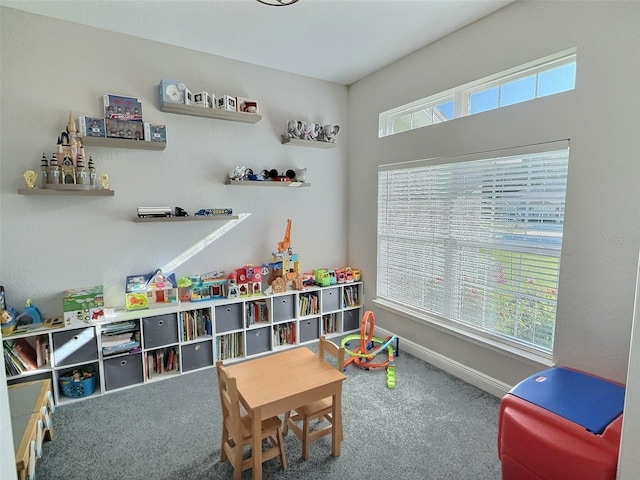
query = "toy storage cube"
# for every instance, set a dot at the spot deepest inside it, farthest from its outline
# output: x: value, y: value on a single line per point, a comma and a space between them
x: 123, y: 371
x: 228, y: 317
x: 560, y: 424
x: 75, y: 346
x: 258, y: 340
x: 309, y: 330
x: 284, y: 307
x: 197, y: 355
x: 160, y: 330
x: 331, y: 299
x: 351, y: 320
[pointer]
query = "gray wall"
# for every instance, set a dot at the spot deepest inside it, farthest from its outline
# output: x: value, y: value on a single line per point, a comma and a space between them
x: 602, y: 119
x: 50, y: 244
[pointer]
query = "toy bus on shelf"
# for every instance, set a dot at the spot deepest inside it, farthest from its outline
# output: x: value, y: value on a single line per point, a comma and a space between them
x: 207, y: 212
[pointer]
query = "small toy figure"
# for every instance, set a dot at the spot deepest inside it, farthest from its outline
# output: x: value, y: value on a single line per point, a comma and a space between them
x: 30, y: 177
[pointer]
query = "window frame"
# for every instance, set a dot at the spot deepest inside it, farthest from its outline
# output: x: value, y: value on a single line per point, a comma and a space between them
x: 461, y: 95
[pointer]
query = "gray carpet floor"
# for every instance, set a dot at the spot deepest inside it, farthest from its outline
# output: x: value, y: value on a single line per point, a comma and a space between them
x: 431, y: 426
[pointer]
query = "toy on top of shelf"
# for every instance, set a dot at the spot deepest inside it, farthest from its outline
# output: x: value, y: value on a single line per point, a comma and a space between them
x: 328, y: 133
x: 84, y: 304
x: 156, y: 288
x: 30, y: 316
x: 155, y: 212
x: 294, y: 129
x: 285, y: 244
x: 66, y: 170
x: 285, y: 268
x: 208, y: 285
x: 249, y: 280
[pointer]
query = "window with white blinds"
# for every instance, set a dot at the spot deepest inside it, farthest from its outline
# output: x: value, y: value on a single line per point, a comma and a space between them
x: 476, y: 240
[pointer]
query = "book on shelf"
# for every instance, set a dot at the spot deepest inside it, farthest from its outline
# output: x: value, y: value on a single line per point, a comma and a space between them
x: 22, y: 353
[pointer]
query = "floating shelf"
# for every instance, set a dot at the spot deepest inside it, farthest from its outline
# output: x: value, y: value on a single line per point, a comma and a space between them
x: 265, y: 183
x: 306, y: 143
x: 122, y: 143
x: 218, y: 113
x: 198, y: 218
x: 51, y: 191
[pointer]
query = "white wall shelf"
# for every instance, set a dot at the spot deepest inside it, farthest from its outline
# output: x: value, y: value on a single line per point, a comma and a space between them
x: 51, y: 191
x: 265, y: 183
x: 306, y: 143
x: 194, y: 218
x: 217, y: 113
x: 122, y: 143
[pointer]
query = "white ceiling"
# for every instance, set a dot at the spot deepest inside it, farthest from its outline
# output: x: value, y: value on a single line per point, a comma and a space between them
x: 340, y: 41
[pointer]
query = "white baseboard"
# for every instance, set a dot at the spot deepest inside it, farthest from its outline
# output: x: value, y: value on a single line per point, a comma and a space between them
x: 457, y: 369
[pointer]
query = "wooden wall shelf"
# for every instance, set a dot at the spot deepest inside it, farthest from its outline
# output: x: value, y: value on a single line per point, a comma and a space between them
x: 217, y: 113
x: 265, y: 183
x: 194, y: 218
x: 51, y: 191
x: 306, y: 143
x: 122, y: 143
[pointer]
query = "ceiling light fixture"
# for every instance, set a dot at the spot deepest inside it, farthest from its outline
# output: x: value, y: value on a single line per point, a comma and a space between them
x: 278, y: 3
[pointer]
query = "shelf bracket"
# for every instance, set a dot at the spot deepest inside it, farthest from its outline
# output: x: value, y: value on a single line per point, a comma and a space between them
x: 202, y: 244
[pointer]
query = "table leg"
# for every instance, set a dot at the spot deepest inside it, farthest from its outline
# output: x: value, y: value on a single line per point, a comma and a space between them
x: 336, y: 428
x: 256, y: 444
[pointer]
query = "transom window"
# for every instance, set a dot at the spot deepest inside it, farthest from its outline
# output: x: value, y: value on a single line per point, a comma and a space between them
x: 474, y: 241
x: 546, y: 76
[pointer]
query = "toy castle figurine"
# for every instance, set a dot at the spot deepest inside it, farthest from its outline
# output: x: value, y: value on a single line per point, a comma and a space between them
x: 66, y: 170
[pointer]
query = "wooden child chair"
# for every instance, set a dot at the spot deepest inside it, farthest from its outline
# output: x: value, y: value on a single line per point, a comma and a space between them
x: 319, y: 410
x: 236, y: 428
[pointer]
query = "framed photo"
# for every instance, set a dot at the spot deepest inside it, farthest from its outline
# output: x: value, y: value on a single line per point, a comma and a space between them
x: 172, y: 91
x: 247, y: 105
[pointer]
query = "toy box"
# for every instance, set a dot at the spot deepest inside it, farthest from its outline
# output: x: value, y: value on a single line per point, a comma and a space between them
x: 91, y: 127
x: 155, y: 133
x: 124, y: 129
x: 84, y: 304
x: 560, y: 424
x: 117, y: 107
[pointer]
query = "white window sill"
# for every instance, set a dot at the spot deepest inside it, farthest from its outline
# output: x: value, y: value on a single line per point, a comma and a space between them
x: 467, y: 334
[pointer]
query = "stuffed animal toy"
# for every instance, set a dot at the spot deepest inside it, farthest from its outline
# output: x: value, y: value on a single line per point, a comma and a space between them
x: 329, y: 133
x: 293, y: 129
x: 309, y: 131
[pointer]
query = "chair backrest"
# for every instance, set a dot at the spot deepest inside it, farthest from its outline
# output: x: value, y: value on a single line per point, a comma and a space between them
x: 329, y: 348
x: 229, y: 401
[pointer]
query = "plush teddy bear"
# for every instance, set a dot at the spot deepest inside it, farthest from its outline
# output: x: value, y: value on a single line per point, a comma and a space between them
x: 5, y: 317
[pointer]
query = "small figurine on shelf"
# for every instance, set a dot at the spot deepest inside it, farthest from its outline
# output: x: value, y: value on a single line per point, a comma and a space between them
x: 30, y: 177
x: 104, y: 181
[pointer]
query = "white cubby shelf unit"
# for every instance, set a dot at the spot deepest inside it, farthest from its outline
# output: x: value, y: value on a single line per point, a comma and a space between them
x: 184, y: 337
